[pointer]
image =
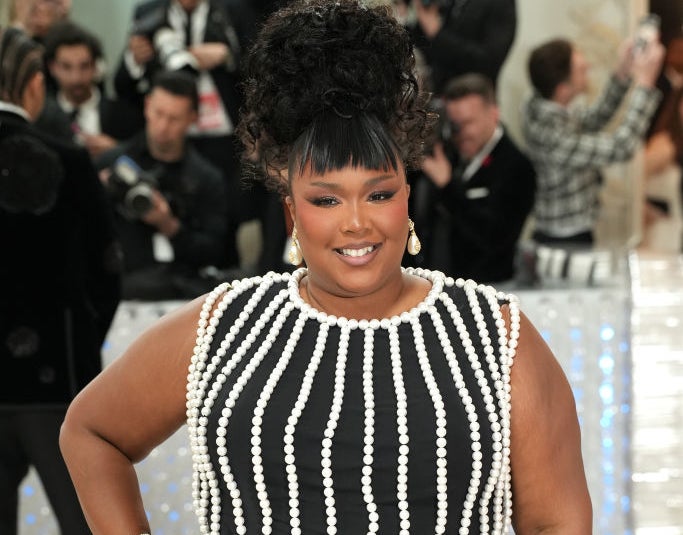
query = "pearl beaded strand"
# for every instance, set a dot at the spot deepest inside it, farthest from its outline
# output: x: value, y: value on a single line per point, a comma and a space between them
x: 293, y: 420
x: 204, y: 481
x: 368, y: 439
x: 468, y: 404
x: 206, y: 329
x: 440, y: 411
x: 402, y: 427
x: 257, y: 421
x: 238, y: 386
x: 492, y: 488
x: 335, y: 411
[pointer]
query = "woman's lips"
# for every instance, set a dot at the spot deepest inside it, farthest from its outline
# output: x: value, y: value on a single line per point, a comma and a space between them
x: 357, y: 256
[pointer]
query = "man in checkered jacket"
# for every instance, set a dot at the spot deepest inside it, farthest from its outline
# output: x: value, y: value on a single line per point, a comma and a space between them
x: 569, y: 147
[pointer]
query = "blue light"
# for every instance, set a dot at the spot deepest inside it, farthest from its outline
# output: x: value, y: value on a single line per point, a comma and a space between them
x: 606, y: 333
x: 608, y: 507
x: 30, y: 519
x: 546, y: 334
x: 29, y: 490
x: 607, y: 393
x: 576, y: 334
x: 606, y: 363
x: 173, y: 516
x: 607, y: 443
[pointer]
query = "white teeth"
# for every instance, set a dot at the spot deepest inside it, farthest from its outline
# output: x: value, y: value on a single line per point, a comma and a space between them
x: 357, y: 252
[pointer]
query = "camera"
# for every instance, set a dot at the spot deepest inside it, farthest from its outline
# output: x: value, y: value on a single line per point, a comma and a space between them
x: 442, y: 130
x: 647, y: 32
x: 169, y: 45
x: 131, y: 187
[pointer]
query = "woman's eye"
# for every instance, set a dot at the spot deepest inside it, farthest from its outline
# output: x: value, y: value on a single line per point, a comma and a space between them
x: 324, y: 201
x: 381, y: 195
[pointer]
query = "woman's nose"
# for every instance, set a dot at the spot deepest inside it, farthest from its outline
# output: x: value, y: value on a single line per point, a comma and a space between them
x: 354, y: 218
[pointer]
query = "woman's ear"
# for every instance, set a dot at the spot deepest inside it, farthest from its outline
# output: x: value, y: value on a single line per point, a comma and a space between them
x: 290, y: 206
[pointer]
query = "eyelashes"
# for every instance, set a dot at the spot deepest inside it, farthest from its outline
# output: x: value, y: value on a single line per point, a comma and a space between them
x: 330, y: 200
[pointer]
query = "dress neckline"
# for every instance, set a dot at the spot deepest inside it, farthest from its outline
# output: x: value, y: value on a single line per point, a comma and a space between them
x: 436, y: 278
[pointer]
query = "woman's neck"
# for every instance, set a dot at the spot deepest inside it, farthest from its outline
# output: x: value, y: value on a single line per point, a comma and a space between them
x: 392, y: 299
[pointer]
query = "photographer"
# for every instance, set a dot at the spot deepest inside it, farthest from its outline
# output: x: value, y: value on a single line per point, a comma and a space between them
x: 476, y: 185
x: 460, y: 36
x: 569, y: 145
x: 204, y: 37
x: 170, y: 202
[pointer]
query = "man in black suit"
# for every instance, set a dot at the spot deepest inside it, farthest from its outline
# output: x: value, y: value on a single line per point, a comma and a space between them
x: 480, y: 188
x: 202, y: 37
x: 169, y: 201
x: 80, y: 109
x: 59, y: 282
x: 461, y: 36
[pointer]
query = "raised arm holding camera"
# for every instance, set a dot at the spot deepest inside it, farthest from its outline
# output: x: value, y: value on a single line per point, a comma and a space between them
x: 570, y: 145
x: 170, y: 201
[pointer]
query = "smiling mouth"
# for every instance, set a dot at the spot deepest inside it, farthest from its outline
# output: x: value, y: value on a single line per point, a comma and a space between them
x: 357, y: 252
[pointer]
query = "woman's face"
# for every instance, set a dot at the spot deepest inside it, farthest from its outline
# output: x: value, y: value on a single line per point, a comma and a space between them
x: 352, y: 227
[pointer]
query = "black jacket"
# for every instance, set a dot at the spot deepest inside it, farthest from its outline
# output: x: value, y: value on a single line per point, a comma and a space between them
x: 222, y: 26
x: 118, y: 119
x: 60, y: 278
x: 481, y: 219
x: 476, y: 36
x: 196, y: 193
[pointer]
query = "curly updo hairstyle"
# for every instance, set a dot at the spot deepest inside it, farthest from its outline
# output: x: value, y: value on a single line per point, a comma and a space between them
x: 331, y: 84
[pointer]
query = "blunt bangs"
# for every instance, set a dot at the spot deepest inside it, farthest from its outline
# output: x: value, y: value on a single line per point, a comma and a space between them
x: 333, y: 142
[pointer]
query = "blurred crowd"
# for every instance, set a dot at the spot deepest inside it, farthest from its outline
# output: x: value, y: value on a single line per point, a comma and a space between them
x: 121, y: 177
x: 477, y: 195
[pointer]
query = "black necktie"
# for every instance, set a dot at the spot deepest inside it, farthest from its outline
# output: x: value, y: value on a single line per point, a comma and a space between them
x: 188, y: 30
x: 73, y: 119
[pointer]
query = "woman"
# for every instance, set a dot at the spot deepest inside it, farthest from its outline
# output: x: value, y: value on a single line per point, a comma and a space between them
x: 352, y: 396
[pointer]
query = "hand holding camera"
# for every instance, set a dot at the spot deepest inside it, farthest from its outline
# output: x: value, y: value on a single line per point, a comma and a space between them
x: 648, y: 52
x: 160, y: 216
x: 141, y: 48
x: 437, y: 166
x: 135, y: 192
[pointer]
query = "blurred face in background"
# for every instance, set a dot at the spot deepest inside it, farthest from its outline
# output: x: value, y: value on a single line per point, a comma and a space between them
x: 168, y: 117
x: 38, y: 16
x: 74, y: 69
x: 189, y: 5
x: 475, y: 120
x: 578, y: 76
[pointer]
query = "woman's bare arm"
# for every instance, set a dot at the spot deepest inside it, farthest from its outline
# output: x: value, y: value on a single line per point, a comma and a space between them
x: 132, y: 406
x: 549, y: 490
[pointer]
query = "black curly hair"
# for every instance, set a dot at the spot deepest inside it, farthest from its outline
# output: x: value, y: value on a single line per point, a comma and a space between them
x: 331, y: 83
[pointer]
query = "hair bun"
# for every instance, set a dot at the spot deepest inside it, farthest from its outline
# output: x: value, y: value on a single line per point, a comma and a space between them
x: 316, y: 56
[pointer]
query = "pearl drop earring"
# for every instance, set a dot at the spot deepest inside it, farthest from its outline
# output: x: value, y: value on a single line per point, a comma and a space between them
x: 413, y: 247
x: 295, y: 254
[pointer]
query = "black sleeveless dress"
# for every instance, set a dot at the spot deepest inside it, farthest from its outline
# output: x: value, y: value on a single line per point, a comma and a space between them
x: 304, y: 423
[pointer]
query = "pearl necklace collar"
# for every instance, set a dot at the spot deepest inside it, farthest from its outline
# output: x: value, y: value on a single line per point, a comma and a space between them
x: 436, y: 278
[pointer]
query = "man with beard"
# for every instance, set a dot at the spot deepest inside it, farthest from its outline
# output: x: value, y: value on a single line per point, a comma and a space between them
x: 80, y: 110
